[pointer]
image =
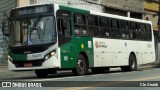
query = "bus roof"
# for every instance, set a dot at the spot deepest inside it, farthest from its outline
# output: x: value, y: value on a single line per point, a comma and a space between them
x: 96, y: 13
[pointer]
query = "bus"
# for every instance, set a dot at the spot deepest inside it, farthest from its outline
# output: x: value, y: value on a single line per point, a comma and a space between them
x: 50, y: 37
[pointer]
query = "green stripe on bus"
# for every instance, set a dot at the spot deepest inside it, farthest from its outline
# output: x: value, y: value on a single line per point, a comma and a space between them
x: 74, y: 9
x: 18, y: 57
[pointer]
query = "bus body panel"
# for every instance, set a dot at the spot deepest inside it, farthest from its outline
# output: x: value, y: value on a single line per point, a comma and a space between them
x: 111, y: 52
x: 70, y: 52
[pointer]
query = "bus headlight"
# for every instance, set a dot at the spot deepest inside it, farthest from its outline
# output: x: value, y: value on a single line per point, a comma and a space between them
x: 53, y: 53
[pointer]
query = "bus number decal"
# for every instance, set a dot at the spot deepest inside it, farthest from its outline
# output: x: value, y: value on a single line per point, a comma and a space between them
x: 89, y: 44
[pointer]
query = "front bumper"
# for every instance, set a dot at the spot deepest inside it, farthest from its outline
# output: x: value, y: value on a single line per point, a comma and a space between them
x: 52, y: 62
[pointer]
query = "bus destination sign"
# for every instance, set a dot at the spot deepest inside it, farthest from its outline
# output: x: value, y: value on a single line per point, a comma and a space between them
x: 32, y: 10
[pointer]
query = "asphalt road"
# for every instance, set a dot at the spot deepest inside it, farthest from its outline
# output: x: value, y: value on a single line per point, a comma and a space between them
x: 142, y: 79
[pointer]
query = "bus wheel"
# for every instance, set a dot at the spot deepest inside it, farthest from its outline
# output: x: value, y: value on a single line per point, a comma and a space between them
x: 132, y: 64
x: 41, y: 73
x: 81, y: 68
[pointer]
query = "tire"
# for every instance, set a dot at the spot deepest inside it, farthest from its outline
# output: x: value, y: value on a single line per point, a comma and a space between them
x: 41, y: 73
x: 81, y: 68
x: 132, y: 64
x: 99, y: 70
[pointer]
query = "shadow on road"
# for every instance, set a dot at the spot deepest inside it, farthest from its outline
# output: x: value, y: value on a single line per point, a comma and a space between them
x: 60, y: 74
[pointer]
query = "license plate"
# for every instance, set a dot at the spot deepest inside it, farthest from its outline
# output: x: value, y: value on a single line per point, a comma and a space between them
x: 28, y: 65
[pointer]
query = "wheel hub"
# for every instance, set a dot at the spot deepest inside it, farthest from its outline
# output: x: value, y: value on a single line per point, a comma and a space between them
x: 80, y: 65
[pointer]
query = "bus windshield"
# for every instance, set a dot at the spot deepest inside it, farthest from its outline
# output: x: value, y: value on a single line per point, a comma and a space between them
x: 32, y: 31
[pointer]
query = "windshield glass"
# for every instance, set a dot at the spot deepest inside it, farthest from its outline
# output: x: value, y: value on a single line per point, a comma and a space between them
x: 32, y: 31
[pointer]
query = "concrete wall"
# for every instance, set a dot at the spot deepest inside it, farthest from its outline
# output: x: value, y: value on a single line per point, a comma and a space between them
x: 130, y: 8
x: 151, y: 8
x: 129, y: 5
x: 21, y: 3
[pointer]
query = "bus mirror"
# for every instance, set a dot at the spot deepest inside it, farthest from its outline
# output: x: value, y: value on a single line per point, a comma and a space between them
x: 5, y: 27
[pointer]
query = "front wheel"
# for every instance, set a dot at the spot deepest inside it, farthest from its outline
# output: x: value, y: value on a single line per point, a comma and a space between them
x: 81, y: 68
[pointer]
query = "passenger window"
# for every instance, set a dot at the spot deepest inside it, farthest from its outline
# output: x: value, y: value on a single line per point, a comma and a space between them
x: 64, y: 31
x: 134, y: 31
x: 80, y: 19
x: 149, y: 32
x: 80, y: 25
x: 93, y: 25
x: 115, y: 29
x: 125, y: 29
x: 104, y: 22
x: 92, y: 20
x: 124, y: 25
x: 142, y: 28
x: 114, y: 23
x: 133, y: 26
x: 142, y: 33
x: 104, y: 32
x: 64, y: 28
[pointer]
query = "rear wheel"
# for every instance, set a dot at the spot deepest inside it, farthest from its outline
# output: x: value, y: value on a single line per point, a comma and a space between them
x: 81, y: 68
x: 132, y: 64
x: 41, y: 73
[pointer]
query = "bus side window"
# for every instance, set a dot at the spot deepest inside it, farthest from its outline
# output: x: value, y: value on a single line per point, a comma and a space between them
x: 104, y: 27
x: 149, y: 34
x: 142, y: 32
x: 80, y: 25
x: 125, y: 29
x: 133, y: 31
x: 93, y: 25
x: 64, y: 30
x: 115, y: 28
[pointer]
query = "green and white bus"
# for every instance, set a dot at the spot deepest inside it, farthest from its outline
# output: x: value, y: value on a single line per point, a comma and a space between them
x: 50, y: 37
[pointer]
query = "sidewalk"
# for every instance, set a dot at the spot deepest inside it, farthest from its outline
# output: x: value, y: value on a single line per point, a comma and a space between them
x: 150, y: 65
x: 4, y: 69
